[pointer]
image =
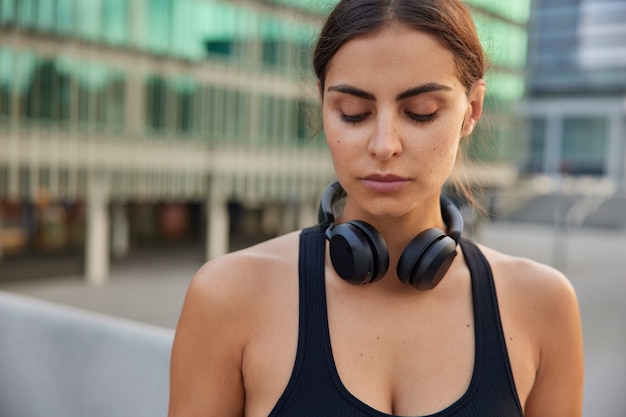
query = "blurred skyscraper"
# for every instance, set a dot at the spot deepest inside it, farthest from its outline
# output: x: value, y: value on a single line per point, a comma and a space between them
x: 576, y: 82
x: 132, y: 122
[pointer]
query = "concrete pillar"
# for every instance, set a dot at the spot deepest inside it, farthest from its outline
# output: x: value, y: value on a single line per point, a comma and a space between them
x: 217, y: 226
x: 554, y: 135
x: 136, y: 103
x: 97, y: 236
x: 120, y: 231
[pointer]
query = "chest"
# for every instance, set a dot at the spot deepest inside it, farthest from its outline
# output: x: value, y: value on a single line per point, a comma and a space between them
x: 408, y: 356
x: 412, y: 355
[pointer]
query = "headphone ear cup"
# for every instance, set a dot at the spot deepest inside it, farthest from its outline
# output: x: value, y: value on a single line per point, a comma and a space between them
x: 358, y: 252
x: 426, y: 259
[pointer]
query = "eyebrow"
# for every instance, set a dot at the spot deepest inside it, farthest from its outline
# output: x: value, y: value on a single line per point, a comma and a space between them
x: 411, y: 92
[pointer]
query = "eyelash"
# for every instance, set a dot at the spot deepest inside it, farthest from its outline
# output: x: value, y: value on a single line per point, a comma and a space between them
x: 419, y: 118
x: 423, y: 118
x: 354, y: 119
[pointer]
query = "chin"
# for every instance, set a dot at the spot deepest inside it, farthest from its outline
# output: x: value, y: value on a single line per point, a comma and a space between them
x: 385, y: 211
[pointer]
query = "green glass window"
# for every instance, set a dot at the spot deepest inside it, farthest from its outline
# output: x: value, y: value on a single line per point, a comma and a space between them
x: 505, y: 86
x: 504, y: 43
x: 45, y: 15
x: 6, y: 77
x: 516, y: 10
x: 23, y: 83
x: 115, y: 21
x: 184, y: 95
x: 26, y: 13
x: 155, y: 103
x: 45, y: 88
x: 51, y: 86
x: 317, y: 6
x: 65, y: 17
x: 91, y: 80
x: 219, y: 34
x: 88, y: 19
x: 159, y: 25
x: 7, y: 11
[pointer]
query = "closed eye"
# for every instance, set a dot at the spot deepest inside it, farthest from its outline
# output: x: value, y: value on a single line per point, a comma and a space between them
x: 422, y: 118
x: 356, y: 118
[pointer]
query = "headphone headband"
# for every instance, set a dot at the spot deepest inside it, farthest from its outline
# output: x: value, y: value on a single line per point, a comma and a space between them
x: 333, y: 193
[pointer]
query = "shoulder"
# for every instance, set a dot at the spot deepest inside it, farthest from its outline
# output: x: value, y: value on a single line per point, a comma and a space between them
x: 537, y: 295
x: 230, y: 300
x: 248, y: 274
x: 527, y: 275
x: 536, y: 285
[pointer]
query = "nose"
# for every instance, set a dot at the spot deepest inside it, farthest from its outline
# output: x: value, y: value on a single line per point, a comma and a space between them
x: 385, y: 142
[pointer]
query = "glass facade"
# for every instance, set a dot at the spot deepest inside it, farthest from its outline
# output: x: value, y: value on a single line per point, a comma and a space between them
x: 577, y: 47
x: 576, y: 82
x: 188, y: 29
x: 89, y: 90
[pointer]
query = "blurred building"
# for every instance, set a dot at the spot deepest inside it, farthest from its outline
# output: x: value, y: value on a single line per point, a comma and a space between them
x: 502, y: 26
x: 127, y: 123
x: 576, y: 104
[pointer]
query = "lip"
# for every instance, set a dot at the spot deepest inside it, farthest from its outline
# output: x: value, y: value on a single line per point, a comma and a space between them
x: 386, y: 183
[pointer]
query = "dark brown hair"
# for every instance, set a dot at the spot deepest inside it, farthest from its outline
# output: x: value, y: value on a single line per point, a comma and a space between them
x: 448, y: 20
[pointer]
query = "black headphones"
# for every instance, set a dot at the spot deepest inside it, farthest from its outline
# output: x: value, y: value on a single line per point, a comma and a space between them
x: 359, y: 254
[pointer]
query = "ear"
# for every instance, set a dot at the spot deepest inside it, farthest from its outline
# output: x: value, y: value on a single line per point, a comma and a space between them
x: 476, y: 98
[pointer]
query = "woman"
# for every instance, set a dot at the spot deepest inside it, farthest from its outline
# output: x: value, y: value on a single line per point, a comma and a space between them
x: 279, y: 329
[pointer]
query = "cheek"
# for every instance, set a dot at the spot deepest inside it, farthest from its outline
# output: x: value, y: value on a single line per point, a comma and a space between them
x: 336, y: 144
x: 340, y: 150
x: 437, y: 154
x: 342, y: 142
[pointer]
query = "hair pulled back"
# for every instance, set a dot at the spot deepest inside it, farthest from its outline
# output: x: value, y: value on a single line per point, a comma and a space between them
x: 448, y: 20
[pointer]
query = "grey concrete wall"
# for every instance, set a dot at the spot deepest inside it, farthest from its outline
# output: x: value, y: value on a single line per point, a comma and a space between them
x: 58, y: 361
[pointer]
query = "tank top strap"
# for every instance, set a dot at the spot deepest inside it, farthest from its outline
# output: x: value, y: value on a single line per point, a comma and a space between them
x: 492, y: 359
x: 308, y: 384
x: 311, y: 278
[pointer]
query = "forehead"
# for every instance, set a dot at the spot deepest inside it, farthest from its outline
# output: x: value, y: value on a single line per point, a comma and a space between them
x: 396, y: 57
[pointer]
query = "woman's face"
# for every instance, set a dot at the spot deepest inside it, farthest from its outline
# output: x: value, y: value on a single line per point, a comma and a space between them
x: 394, y: 111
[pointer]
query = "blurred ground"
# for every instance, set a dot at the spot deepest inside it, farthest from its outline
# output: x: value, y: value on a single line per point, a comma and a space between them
x: 150, y: 287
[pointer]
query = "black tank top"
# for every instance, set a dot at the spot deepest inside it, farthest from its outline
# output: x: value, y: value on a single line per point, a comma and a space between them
x: 315, y: 389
